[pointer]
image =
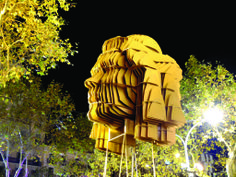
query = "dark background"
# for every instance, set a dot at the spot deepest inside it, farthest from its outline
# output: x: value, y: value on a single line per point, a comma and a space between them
x: 205, y: 30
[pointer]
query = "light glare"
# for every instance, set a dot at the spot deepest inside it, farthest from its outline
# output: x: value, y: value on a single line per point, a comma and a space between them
x: 177, y: 155
x: 214, y: 116
x: 199, y: 166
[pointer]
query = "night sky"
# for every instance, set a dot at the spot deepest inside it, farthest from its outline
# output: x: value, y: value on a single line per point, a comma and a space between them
x: 204, y: 30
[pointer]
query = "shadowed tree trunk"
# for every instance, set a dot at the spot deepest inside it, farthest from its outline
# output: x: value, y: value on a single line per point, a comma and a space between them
x: 231, y: 163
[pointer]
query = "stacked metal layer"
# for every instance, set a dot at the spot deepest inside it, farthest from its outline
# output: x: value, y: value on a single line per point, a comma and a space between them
x: 134, y: 90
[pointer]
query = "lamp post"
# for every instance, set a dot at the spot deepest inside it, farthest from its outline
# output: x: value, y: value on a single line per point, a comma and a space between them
x: 213, y: 116
x: 185, y: 143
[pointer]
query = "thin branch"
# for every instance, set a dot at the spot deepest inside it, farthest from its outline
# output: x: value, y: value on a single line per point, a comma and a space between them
x: 220, y: 137
x: 26, y: 168
x: 19, y: 40
x: 192, y: 157
x: 8, y: 147
x: 180, y: 138
x: 6, y: 160
x: 20, y: 166
x: 3, y: 12
x: 3, y: 158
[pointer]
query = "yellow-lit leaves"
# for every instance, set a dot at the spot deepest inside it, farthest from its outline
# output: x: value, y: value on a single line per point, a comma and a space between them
x: 29, y: 37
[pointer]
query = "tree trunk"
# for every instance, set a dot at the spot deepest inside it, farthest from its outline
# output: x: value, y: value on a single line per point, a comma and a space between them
x: 20, y: 163
x: 26, y: 168
x: 7, y: 171
x: 231, y: 163
x: 21, y: 166
x: 6, y: 160
x: 6, y: 163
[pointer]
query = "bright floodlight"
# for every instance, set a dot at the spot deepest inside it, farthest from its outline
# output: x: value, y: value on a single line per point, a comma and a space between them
x: 184, y: 165
x: 199, y: 166
x: 213, y: 116
x: 177, y: 155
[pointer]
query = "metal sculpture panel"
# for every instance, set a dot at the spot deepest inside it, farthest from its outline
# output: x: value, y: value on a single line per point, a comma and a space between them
x: 134, y: 90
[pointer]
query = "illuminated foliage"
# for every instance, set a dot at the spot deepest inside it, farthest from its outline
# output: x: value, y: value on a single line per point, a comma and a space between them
x: 29, y: 37
x: 27, y: 113
x: 74, y: 143
x: 203, y: 86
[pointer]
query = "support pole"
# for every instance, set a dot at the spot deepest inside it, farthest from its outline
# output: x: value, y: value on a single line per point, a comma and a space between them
x: 132, y: 173
x: 126, y: 160
x: 105, y: 167
x: 136, y: 165
x: 122, y: 152
x: 153, y: 163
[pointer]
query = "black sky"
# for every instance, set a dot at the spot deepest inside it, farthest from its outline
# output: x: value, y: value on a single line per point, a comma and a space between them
x: 204, y: 30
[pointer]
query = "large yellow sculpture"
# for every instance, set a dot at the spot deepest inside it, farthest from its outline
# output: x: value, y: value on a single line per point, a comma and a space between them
x: 134, y: 91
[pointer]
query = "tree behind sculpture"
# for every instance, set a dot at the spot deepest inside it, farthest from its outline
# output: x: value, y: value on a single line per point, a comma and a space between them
x: 202, y: 86
x: 26, y: 113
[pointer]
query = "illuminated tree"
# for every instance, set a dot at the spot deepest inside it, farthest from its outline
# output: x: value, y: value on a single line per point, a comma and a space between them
x: 76, y: 149
x: 202, y: 87
x: 27, y: 113
x: 29, y: 37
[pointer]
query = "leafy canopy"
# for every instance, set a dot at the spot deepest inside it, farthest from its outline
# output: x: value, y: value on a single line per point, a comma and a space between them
x: 203, y: 86
x: 27, y: 113
x: 29, y: 37
x: 206, y: 86
x: 28, y: 102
